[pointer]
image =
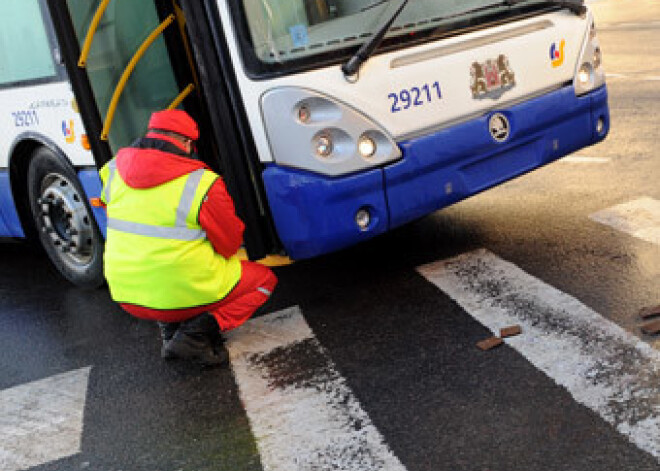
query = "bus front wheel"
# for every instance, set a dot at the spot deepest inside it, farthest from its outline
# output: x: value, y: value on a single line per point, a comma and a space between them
x: 67, y: 230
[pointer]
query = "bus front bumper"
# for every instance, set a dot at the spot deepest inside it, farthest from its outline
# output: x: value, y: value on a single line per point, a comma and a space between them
x: 315, y: 214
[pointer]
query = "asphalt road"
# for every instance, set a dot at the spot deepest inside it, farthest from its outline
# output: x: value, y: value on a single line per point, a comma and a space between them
x: 389, y: 345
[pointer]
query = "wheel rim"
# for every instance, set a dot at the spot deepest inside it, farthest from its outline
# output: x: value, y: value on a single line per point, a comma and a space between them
x: 65, y: 220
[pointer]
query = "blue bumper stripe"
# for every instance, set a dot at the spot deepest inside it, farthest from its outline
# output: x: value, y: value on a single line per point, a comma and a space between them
x: 315, y: 214
x: 10, y: 224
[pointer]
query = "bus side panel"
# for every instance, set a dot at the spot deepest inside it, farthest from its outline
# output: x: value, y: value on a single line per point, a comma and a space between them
x: 10, y: 224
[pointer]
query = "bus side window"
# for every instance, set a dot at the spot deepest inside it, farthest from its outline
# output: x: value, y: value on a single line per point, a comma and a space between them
x: 25, y: 52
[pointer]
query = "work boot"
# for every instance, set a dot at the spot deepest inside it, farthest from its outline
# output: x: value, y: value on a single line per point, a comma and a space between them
x: 214, y: 334
x: 167, y: 331
x: 193, y: 341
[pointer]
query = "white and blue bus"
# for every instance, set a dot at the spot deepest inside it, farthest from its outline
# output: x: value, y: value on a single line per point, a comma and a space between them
x: 331, y: 121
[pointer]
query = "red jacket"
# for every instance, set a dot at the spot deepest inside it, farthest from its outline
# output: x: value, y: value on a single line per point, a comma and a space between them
x: 154, y: 161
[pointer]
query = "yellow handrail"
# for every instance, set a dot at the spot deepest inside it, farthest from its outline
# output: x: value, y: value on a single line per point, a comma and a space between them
x: 87, y: 45
x: 110, y: 115
x: 182, y: 96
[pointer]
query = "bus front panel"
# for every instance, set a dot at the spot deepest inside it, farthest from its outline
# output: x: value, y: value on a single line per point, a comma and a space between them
x: 461, y: 96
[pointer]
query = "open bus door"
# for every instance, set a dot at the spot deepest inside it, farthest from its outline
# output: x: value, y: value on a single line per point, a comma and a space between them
x: 127, y: 59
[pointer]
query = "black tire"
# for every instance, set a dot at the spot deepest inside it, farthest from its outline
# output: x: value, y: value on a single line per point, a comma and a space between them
x: 66, y: 227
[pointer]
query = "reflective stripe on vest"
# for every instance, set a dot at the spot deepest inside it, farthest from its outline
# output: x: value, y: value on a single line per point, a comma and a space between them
x: 160, y: 232
x: 187, y: 197
x: 180, y: 231
x: 112, y: 168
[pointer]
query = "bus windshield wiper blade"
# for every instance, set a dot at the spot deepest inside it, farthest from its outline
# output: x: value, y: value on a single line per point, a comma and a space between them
x: 351, y: 67
x: 576, y: 6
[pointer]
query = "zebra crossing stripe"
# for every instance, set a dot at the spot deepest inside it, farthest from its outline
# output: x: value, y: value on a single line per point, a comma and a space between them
x: 42, y: 421
x: 602, y: 366
x: 302, y: 413
x: 639, y: 218
x: 584, y: 159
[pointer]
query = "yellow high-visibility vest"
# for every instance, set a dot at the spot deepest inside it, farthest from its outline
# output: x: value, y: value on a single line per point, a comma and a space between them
x: 156, y: 253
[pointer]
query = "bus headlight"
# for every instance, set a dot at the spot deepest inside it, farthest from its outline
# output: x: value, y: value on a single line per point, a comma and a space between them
x: 340, y: 139
x: 323, y: 145
x: 366, y: 147
x: 590, y: 74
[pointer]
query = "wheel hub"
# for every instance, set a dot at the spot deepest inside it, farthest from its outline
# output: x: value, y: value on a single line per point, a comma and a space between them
x: 65, y: 218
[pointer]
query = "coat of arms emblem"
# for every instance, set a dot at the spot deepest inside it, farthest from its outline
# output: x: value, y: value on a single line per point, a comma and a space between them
x: 492, y: 78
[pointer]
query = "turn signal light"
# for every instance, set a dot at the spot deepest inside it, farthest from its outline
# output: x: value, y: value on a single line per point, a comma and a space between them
x: 84, y: 142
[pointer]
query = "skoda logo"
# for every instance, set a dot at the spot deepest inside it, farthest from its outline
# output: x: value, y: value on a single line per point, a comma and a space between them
x: 499, y: 127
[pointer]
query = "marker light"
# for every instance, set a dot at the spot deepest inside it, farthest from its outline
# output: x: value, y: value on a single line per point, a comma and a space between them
x: 598, y: 57
x: 585, y: 74
x: 84, y: 142
x: 363, y: 219
x: 304, y: 114
x: 366, y: 146
x: 323, y: 145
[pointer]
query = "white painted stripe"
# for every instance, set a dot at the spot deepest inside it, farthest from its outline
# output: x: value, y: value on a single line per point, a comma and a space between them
x: 625, y: 25
x: 639, y: 218
x: 302, y: 412
x: 42, y: 421
x: 647, y: 78
x: 583, y: 159
x: 611, y: 75
x: 603, y: 367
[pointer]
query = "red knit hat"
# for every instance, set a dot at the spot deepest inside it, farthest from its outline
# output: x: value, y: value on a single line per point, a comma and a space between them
x: 177, y: 121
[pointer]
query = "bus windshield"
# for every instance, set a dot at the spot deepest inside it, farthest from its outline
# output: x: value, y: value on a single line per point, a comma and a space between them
x: 283, y: 32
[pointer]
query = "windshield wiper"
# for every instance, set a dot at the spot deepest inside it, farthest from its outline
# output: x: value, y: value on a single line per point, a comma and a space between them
x: 576, y: 6
x: 351, y: 67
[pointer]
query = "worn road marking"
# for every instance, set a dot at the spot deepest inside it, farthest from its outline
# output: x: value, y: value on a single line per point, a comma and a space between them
x: 633, y: 76
x: 602, y: 366
x: 302, y: 412
x: 639, y: 218
x: 42, y: 421
x: 583, y: 159
x: 627, y: 25
x: 612, y: 75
